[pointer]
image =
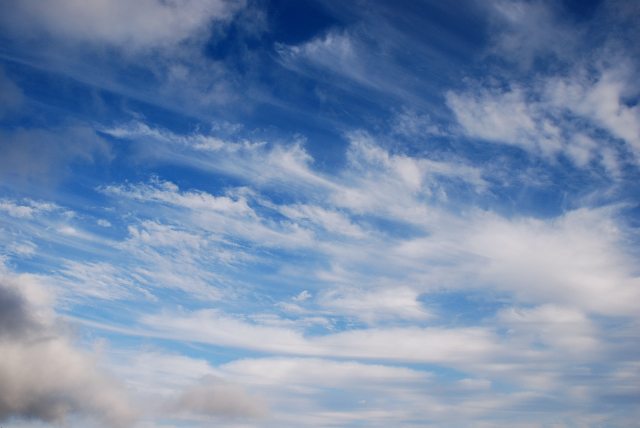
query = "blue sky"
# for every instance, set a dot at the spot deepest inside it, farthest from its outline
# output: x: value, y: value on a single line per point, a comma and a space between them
x: 285, y: 213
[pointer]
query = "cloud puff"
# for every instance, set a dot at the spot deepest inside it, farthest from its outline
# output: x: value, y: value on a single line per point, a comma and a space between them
x: 376, y: 306
x: 42, y: 375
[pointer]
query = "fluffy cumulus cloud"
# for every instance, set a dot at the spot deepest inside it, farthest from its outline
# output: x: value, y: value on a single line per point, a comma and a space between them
x: 311, y: 214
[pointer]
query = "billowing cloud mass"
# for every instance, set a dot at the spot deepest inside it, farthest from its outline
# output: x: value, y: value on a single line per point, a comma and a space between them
x: 314, y: 213
x: 42, y: 375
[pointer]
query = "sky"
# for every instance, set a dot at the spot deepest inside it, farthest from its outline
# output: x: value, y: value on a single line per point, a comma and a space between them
x: 316, y: 213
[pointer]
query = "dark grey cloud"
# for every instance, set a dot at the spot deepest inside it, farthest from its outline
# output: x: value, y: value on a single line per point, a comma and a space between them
x: 15, y: 318
x: 43, y: 376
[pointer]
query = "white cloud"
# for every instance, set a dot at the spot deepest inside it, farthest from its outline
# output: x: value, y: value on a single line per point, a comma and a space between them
x: 287, y: 165
x: 563, y: 328
x: 332, y: 221
x: 210, y: 218
x: 159, y: 235
x: 474, y: 384
x: 167, y: 192
x: 577, y: 259
x: 26, y: 249
x: 561, y: 116
x: 364, y: 57
x: 14, y: 210
x: 166, y: 256
x: 503, y: 117
x: 302, y: 296
x: 197, y: 141
x: 334, y: 51
x: 562, y: 110
x: 303, y: 373
x: 601, y: 101
x: 433, y: 345
x: 367, y: 244
x: 376, y: 306
x: 153, y: 373
x: 129, y: 25
x: 98, y: 280
x: 397, y: 186
x: 29, y: 209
